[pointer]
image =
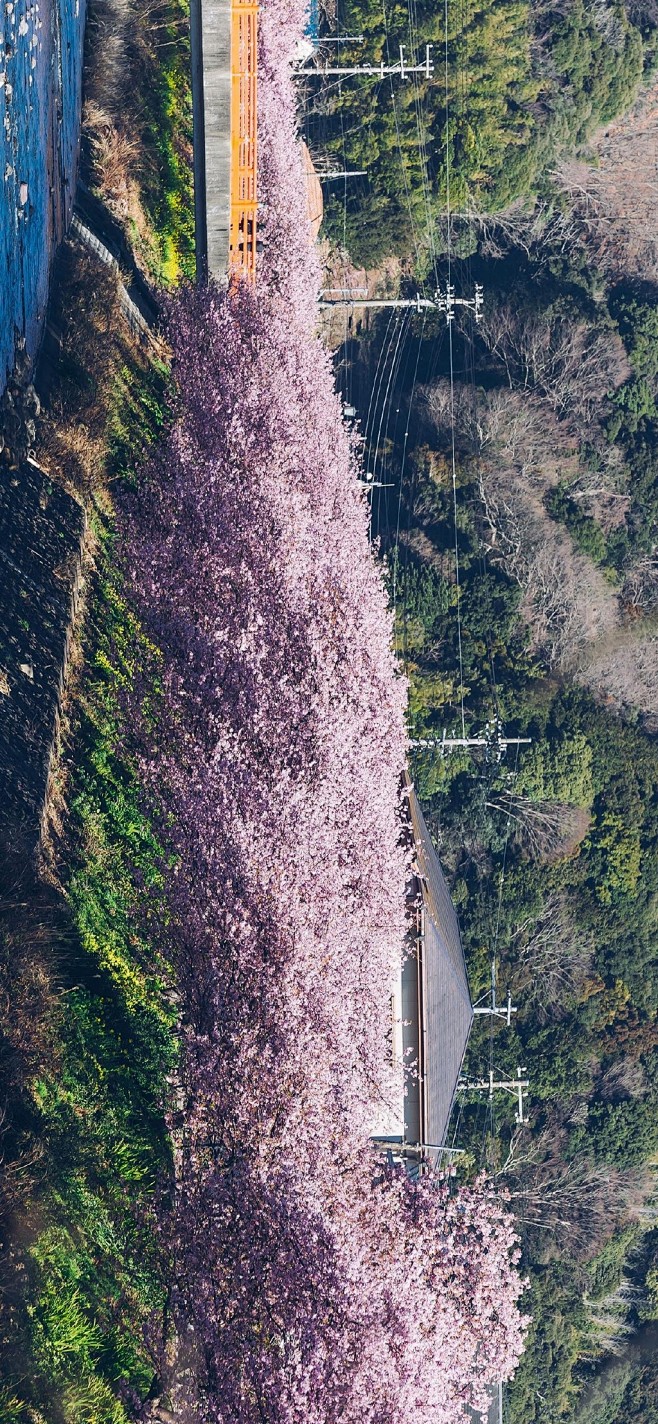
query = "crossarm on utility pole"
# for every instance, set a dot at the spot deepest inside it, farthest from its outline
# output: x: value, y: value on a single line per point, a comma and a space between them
x: 517, y: 1086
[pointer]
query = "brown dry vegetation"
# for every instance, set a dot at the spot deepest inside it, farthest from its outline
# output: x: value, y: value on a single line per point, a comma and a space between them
x: 623, y: 669
x: 92, y: 345
x: 614, y: 195
x: 552, y: 960
x: 545, y: 831
x: 137, y: 127
x: 571, y: 1203
x: 33, y: 935
x: 114, y: 157
x: 522, y: 451
x: 523, y: 444
x: 572, y: 366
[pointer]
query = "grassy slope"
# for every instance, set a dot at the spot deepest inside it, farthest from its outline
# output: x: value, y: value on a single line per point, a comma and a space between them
x: 89, y: 1036
x: 137, y: 130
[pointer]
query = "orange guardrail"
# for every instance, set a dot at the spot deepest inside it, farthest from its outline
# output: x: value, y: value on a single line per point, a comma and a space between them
x: 244, y: 62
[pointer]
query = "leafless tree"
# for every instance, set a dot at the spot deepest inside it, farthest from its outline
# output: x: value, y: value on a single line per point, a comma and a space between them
x: 610, y: 1321
x: 614, y: 201
x: 572, y: 366
x: 567, y: 601
x: 546, y: 830
x: 640, y: 591
x: 609, y: 23
x: 524, y: 225
x: 643, y: 13
x: 577, y: 1202
x: 625, y: 1078
x: 623, y: 670
x: 602, y: 492
x: 517, y: 426
x: 552, y: 958
x: 522, y: 451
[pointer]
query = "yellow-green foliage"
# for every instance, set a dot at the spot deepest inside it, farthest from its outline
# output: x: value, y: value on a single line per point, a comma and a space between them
x: 492, y: 89
x: 558, y: 771
x: 79, y: 1332
x: 63, y: 1331
x: 92, y: 1402
x: 651, y: 1283
x: 116, y: 836
x: 167, y: 184
x: 427, y: 693
x: 12, y: 1409
x: 616, y: 852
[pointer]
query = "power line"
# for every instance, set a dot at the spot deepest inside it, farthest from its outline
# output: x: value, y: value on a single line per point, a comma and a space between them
x: 441, y: 301
x: 402, y: 68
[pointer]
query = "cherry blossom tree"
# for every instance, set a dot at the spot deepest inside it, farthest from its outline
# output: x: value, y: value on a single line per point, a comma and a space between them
x: 312, y: 1282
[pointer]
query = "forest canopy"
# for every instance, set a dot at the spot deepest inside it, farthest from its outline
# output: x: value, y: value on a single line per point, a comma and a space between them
x: 514, y: 86
x: 552, y: 851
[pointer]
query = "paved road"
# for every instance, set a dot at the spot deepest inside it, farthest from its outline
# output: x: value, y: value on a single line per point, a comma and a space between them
x: 211, y: 102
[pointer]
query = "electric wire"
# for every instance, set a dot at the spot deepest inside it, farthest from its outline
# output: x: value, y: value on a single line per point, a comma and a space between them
x: 402, y: 327
x: 452, y: 375
x: 388, y: 365
x: 403, y: 463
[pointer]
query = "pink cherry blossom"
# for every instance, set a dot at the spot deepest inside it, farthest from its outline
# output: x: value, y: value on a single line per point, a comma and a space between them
x: 317, y: 1283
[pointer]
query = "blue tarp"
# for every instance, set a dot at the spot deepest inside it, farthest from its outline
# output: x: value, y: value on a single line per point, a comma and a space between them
x: 312, y: 30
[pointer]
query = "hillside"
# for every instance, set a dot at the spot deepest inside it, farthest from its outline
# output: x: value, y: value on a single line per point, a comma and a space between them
x: 216, y: 646
x: 552, y: 852
x: 204, y: 894
x: 515, y: 89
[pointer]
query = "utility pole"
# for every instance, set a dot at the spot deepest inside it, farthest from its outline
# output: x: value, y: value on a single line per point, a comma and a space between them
x: 448, y: 302
x: 500, y: 1011
x: 344, y: 292
x: 402, y: 68
x: 491, y: 737
x: 418, y: 303
x: 340, y: 173
x: 401, y: 1148
x: 435, y: 1147
x: 516, y: 1086
x: 494, y: 1010
x: 442, y: 301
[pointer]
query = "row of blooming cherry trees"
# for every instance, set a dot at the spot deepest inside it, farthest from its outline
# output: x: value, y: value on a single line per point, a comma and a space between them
x: 313, y: 1282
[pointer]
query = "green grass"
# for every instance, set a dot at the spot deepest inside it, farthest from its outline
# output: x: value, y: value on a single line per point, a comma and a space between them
x: 97, y: 1276
x: 94, y: 1268
x: 167, y: 183
x: 12, y: 1408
